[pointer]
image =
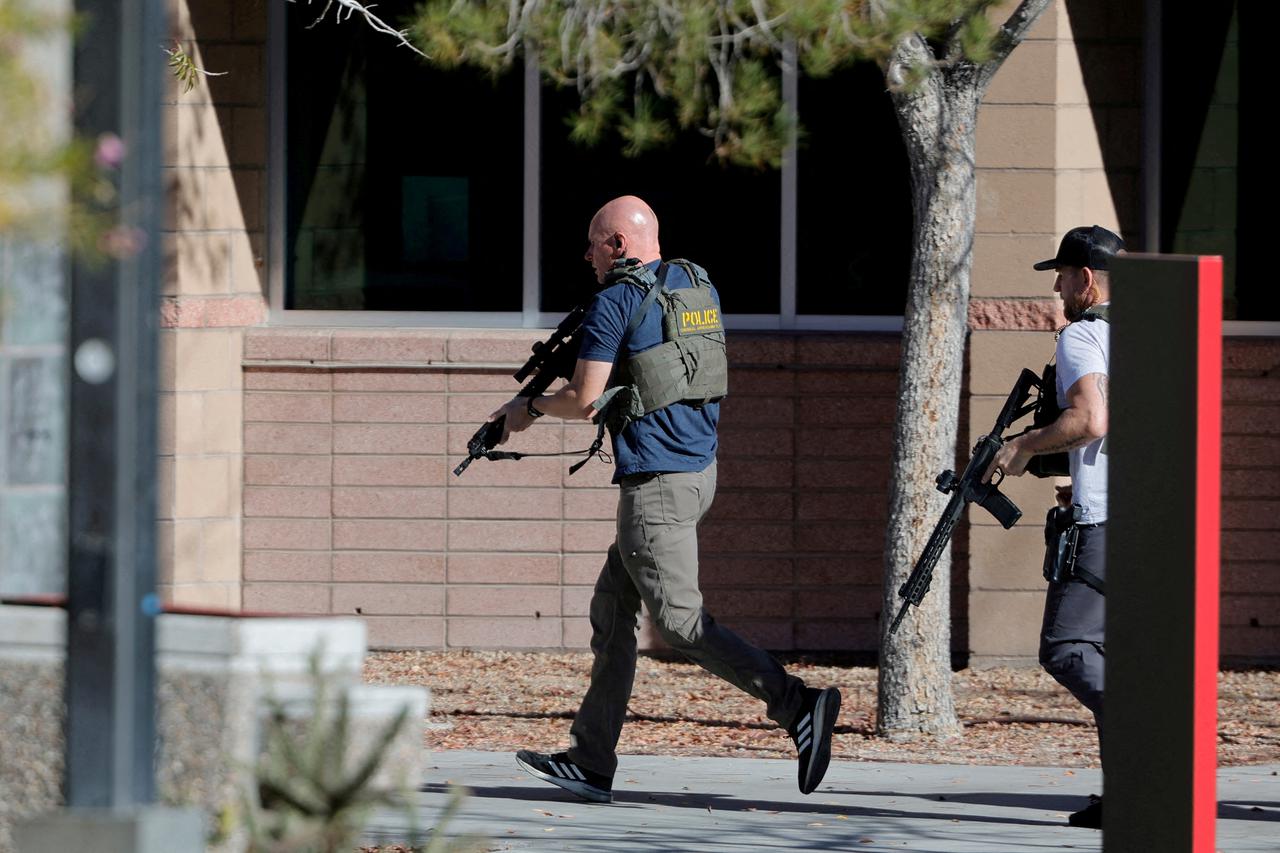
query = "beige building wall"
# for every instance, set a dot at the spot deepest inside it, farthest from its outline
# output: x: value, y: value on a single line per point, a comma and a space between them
x: 214, y: 281
x: 1056, y: 147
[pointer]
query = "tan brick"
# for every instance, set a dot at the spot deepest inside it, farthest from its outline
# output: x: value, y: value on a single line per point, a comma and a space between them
x: 493, y: 347
x: 287, y: 344
x: 1018, y: 137
x: 1100, y: 192
x: 576, y: 633
x: 384, y: 502
x: 503, y: 601
x: 388, y: 408
x: 594, y: 475
x: 389, y: 438
x: 1028, y: 76
x: 525, y: 472
x: 760, y: 473
x: 548, y: 438
x: 197, y: 264
x: 996, y: 358
x: 164, y: 551
x: 219, y: 597
x: 388, y: 567
x: 288, y: 566
x: 202, y: 487
x: 286, y: 407
x: 286, y: 597
x: 582, y: 568
x: 388, y: 599
x: 730, y: 537
x: 1011, y: 559
x: 405, y: 632
x: 248, y: 263
x: 220, y: 561
x: 248, y: 135
x: 836, y: 635
x: 504, y: 568
x: 287, y: 501
x: 475, y: 408
x: 498, y: 382
x: 389, y: 471
x: 287, y: 470
x: 504, y: 536
x: 389, y: 346
x: 184, y: 189
x: 188, y: 544
x: 512, y: 504
x: 222, y: 424
x: 1070, y: 85
x: 286, y: 379
x: 766, y: 441
x: 1068, y: 208
x: 590, y: 503
x: 736, y: 604
x: 1015, y: 201
x: 589, y: 536
x: 1076, y: 141
x: 576, y: 600
x: 1002, y: 264
x: 288, y: 438
x: 736, y: 571
x: 1005, y: 624
x: 203, y: 360
x: 400, y: 535
x: 286, y: 534
x: 387, y: 380
x: 506, y: 633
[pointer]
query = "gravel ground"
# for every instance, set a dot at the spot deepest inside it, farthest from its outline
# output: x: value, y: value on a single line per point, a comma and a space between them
x: 503, y: 701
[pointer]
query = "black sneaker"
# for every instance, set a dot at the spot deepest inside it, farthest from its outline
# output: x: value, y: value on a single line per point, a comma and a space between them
x: 559, y: 770
x: 812, y: 733
x: 1089, y: 817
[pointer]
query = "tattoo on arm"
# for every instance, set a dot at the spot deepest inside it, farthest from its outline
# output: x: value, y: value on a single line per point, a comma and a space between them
x: 1104, y: 387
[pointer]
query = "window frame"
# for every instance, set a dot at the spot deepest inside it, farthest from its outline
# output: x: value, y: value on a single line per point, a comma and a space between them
x: 529, y: 316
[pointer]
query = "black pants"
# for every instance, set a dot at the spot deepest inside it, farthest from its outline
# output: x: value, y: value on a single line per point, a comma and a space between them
x: 1072, y: 647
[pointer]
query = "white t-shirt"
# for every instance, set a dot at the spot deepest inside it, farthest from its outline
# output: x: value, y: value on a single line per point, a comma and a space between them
x: 1084, y: 347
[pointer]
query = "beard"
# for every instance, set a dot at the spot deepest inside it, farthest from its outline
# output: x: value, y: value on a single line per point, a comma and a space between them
x: 1073, y: 309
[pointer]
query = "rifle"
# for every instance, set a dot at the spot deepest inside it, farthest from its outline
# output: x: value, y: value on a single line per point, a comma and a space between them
x: 966, y: 489
x: 552, y: 359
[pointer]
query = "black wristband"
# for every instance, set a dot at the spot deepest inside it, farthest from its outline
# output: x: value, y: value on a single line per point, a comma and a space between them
x: 533, y: 413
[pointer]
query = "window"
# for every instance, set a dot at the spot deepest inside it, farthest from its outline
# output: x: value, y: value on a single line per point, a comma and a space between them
x: 408, y: 189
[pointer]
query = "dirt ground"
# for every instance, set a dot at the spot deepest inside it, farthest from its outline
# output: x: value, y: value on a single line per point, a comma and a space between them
x: 503, y: 701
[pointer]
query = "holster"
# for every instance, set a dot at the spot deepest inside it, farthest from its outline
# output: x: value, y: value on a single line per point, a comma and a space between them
x: 1061, y: 537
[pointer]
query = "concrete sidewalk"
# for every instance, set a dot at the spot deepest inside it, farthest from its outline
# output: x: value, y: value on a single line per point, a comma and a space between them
x: 746, y: 804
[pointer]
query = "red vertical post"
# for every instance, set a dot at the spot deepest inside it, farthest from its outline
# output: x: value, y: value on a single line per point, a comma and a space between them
x: 1208, y: 536
x: 1164, y: 459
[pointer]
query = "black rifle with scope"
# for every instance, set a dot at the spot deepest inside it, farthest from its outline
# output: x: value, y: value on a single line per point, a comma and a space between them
x: 552, y: 359
x: 966, y: 489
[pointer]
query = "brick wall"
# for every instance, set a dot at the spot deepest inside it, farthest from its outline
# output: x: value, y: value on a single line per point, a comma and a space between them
x: 215, y: 160
x: 1251, y: 500
x: 350, y: 506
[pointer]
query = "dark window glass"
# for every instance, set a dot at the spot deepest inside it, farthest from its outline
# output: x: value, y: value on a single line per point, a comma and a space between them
x: 403, y: 182
x: 853, y: 222
x: 726, y: 219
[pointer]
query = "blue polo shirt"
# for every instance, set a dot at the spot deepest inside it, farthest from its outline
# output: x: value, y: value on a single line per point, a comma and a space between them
x: 677, y: 438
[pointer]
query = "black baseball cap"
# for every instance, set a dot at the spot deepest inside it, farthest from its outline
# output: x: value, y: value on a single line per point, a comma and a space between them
x: 1089, y: 246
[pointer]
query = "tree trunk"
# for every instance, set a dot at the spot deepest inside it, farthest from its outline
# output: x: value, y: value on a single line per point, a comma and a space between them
x: 938, y: 121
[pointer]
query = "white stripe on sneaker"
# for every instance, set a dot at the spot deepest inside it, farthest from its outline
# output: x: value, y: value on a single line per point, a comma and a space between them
x: 803, y: 743
x: 560, y: 771
x: 573, y: 768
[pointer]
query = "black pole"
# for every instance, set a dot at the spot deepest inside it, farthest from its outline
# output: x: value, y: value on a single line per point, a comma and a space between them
x: 110, y: 673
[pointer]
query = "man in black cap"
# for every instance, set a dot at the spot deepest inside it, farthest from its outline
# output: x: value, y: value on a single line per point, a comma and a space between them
x: 1072, y: 646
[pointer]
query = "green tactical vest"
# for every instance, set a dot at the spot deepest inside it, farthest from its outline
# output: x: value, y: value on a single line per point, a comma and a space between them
x: 690, y: 365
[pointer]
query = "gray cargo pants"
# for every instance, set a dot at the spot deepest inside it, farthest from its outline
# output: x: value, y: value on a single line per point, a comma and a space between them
x: 1072, y: 639
x: 655, y: 560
